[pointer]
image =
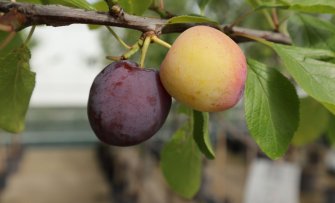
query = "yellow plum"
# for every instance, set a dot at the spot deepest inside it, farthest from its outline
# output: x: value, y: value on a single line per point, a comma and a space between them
x: 204, y: 69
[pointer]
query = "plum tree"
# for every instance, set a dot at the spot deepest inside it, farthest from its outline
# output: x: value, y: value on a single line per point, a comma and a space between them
x: 204, y: 69
x: 127, y: 104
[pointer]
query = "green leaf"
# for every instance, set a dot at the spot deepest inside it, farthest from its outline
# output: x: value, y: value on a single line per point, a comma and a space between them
x: 30, y: 1
x: 71, y: 3
x: 331, y: 129
x: 309, y: 31
x: 330, y: 107
x: 202, y: 5
x: 303, y: 53
x: 14, y: 43
x: 313, y: 121
x: 312, y: 6
x: 16, y: 86
x: 181, y: 163
x: 316, y: 77
x: 101, y: 6
x: 191, y: 19
x: 309, y: 6
x: 201, y: 135
x: 253, y: 3
x: 266, y: 3
x: 271, y: 108
x: 135, y: 7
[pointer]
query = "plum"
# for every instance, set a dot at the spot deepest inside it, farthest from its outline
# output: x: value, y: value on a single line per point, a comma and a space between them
x: 127, y: 104
x: 204, y: 69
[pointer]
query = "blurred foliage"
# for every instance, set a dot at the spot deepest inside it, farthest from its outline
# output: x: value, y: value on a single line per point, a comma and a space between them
x: 313, y: 122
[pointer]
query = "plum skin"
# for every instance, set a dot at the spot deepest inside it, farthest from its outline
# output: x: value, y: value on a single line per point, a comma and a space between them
x: 204, y: 69
x: 127, y: 105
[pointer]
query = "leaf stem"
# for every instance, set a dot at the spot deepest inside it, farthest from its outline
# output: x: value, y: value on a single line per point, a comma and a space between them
x: 258, y: 39
x: 6, y: 41
x: 160, y: 42
x: 6, y: 28
x: 267, y: 16
x: 118, y: 38
x: 161, y: 4
x: 240, y: 18
x: 145, y: 47
x: 275, y: 19
x: 31, y: 32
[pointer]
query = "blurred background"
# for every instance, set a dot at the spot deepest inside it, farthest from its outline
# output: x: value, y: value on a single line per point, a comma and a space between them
x: 57, y: 159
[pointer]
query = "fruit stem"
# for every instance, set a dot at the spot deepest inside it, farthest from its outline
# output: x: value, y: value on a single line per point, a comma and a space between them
x: 132, y: 50
x: 160, y: 42
x: 118, y: 38
x: 114, y: 58
x: 145, y: 47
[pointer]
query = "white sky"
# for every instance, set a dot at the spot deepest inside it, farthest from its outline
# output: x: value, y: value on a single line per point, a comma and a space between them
x: 63, y: 76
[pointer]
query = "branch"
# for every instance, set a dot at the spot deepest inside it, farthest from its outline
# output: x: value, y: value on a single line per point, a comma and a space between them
x: 22, y: 15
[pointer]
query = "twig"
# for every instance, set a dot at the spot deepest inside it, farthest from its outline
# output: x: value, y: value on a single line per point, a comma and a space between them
x: 54, y: 15
x: 267, y: 35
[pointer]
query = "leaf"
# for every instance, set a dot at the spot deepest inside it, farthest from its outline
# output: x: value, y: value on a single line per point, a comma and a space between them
x: 309, y: 6
x: 202, y: 5
x: 181, y: 163
x: 16, y: 86
x: 14, y: 43
x: 253, y: 3
x: 313, y: 121
x: 315, y: 6
x: 30, y: 1
x: 316, y: 77
x: 331, y: 129
x: 271, y: 108
x: 191, y: 19
x: 330, y: 107
x: 135, y: 7
x: 101, y: 6
x: 71, y: 3
x: 201, y: 135
x: 256, y: 3
x: 309, y: 31
x: 304, y: 53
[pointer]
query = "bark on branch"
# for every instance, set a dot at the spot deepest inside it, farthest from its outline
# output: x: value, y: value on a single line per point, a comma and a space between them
x: 21, y: 15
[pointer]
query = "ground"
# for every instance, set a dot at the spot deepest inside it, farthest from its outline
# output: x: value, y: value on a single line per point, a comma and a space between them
x: 57, y: 175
